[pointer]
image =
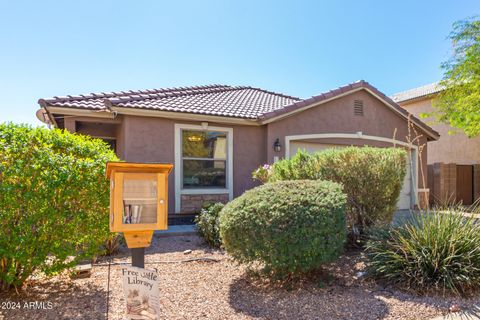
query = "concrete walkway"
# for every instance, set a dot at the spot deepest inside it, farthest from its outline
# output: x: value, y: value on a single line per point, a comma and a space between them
x: 177, y: 230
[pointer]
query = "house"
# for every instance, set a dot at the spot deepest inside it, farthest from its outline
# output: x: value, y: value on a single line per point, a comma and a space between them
x: 453, y: 160
x: 217, y: 135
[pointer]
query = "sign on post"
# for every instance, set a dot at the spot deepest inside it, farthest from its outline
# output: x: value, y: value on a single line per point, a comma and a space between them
x: 138, y: 206
x: 142, y: 295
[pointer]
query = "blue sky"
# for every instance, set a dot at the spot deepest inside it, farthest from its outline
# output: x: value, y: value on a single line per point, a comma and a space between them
x: 299, y: 48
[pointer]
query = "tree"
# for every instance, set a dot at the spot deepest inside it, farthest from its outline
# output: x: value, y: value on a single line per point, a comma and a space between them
x: 459, y: 103
x: 54, y: 200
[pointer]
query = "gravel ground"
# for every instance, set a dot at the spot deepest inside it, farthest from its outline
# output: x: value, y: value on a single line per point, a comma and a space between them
x: 221, y: 290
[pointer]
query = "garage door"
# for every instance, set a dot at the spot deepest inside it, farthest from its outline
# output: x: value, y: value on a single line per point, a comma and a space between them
x: 404, y: 199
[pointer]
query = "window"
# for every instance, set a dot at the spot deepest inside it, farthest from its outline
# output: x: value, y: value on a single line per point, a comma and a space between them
x: 203, y: 159
x: 111, y: 142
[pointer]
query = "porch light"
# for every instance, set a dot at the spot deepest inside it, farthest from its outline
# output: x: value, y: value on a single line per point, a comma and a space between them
x: 277, y: 146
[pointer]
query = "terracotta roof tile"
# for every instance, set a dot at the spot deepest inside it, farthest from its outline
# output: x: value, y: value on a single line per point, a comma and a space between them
x: 221, y: 100
x: 416, y: 93
x: 345, y: 90
x: 218, y: 100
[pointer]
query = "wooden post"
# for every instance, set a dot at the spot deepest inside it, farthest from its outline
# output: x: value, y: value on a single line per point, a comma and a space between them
x: 138, y: 257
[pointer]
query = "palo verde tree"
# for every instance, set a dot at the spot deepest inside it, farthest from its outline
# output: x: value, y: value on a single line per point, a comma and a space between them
x: 459, y: 103
x: 53, y: 200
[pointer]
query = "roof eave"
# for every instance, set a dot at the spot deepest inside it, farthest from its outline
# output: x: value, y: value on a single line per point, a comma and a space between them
x: 184, y: 115
x: 116, y: 110
x: 301, y: 106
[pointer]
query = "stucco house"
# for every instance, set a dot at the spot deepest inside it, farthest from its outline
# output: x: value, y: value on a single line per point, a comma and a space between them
x: 217, y: 135
x: 453, y: 160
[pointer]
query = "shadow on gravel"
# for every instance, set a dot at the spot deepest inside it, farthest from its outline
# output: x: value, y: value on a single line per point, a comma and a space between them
x: 344, y: 297
x: 306, y: 303
x: 166, y: 245
x: 55, y: 300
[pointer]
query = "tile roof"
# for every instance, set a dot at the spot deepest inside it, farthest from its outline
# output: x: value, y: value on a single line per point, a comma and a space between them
x: 344, y: 90
x: 416, y: 93
x: 219, y: 100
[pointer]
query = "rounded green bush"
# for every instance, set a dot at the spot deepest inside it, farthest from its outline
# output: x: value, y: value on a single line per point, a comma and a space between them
x: 288, y: 227
x: 371, y: 177
x: 433, y: 251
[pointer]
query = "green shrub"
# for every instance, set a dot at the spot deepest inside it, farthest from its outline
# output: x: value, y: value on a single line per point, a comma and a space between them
x: 435, y: 251
x: 263, y: 173
x: 372, y: 178
x: 113, y: 243
x: 286, y: 227
x: 54, y: 200
x: 208, y: 223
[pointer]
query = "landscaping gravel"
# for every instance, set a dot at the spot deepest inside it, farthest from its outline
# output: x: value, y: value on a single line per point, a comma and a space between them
x: 217, y: 288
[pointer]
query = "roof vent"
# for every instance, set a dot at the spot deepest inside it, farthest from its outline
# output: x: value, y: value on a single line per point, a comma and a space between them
x: 358, y: 107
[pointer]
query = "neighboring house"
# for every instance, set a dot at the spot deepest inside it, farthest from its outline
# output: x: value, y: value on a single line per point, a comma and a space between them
x: 217, y: 135
x: 453, y: 159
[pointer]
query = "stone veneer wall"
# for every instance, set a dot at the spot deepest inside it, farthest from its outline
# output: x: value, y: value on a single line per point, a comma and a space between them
x: 192, y: 203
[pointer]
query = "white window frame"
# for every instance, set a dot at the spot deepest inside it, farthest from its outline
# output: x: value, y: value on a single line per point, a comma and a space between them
x: 179, y: 191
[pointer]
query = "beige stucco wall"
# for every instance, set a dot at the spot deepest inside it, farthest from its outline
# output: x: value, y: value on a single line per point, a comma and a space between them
x: 450, y: 148
x: 337, y: 116
x: 151, y: 139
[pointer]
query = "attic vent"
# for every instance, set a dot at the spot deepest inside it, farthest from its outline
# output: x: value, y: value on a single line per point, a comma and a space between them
x: 358, y: 107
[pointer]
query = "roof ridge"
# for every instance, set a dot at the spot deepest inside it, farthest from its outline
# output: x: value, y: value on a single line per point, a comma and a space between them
x: 325, y: 96
x: 433, y: 84
x: 418, y: 92
x: 114, y: 94
x: 315, y: 98
x: 280, y: 94
x: 183, y: 91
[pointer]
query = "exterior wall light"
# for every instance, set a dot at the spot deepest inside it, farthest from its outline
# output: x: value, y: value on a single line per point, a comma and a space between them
x: 277, y: 146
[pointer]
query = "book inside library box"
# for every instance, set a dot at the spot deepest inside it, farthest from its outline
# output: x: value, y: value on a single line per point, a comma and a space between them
x: 138, y: 196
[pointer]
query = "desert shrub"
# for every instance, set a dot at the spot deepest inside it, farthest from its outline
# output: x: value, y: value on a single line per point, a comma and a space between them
x: 113, y: 243
x: 54, y: 200
x: 262, y: 173
x: 371, y: 177
x: 208, y: 223
x: 286, y: 227
x: 434, y: 251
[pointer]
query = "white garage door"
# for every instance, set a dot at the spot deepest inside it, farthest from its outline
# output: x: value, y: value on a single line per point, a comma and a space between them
x: 404, y: 199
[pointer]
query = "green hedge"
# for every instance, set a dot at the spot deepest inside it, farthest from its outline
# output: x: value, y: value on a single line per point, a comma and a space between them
x: 371, y: 177
x: 54, y: 200
x: 288, y: 227
x: 434, y: 251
